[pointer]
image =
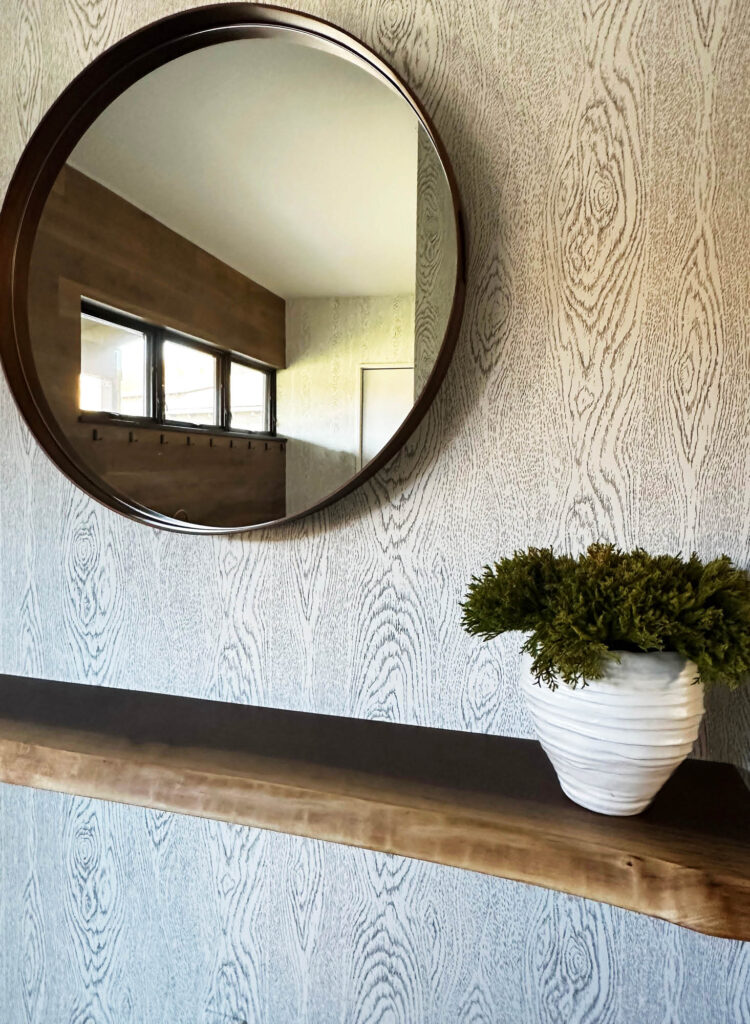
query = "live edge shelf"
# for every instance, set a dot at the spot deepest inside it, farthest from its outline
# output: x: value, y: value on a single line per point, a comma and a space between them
x: 485, y: 803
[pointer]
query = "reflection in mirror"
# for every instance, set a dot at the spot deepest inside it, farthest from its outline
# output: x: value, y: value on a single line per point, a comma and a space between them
x: 113, y: 368
x: 241, y: 280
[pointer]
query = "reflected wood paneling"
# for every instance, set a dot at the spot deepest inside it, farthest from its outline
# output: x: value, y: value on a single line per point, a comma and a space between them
x: 92, y: 243
x: 198, y: 477
x: 106, y: 249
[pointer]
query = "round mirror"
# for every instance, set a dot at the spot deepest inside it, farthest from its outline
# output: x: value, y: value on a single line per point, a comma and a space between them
x: 233, y: 270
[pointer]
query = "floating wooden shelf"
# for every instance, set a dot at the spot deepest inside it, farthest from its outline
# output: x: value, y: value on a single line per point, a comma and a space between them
x: 485, y: 803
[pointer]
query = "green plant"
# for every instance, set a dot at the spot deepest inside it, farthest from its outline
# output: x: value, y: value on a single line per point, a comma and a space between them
x: 579, y: 612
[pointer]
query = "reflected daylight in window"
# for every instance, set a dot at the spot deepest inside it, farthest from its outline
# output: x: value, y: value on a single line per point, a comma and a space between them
x: 248, y: 397
x: 113, y: 369
x: 189, y: 384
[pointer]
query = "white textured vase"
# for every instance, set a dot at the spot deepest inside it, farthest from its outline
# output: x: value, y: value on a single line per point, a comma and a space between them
x: 615, y: 742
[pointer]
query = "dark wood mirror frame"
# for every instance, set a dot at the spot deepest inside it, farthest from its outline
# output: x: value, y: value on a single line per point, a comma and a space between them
x: 63, y: 125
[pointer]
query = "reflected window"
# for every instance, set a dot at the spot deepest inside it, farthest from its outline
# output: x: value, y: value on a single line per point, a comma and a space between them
x: 190, y: 384
x: 131, y: 369
x: 113, y: 368
x: 248, y: 397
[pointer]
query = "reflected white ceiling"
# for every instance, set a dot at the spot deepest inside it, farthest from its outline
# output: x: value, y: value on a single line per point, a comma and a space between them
x: 296, y: 167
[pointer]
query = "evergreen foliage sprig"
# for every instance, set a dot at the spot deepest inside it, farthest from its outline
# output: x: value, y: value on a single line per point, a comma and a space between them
x: 580, y: 611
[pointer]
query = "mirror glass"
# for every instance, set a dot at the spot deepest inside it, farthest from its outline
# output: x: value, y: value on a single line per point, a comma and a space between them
x: 241, y: 280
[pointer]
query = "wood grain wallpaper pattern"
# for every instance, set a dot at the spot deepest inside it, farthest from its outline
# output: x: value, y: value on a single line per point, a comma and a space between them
x: 599, y: 390
x: 318, y: 394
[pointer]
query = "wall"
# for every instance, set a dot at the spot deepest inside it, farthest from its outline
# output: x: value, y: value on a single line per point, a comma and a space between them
x: 328, y: 339
x: 93, y: 243
x: 436, y: 259
x: 599, y: 389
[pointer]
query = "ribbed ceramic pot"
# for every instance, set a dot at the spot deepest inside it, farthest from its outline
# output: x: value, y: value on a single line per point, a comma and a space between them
x: 615, y: 742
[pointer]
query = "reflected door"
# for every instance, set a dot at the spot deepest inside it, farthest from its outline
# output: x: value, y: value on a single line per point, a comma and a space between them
x: 387, y: 398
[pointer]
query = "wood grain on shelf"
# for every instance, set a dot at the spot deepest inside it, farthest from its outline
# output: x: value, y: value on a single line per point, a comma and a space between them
x: 475, y: 801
